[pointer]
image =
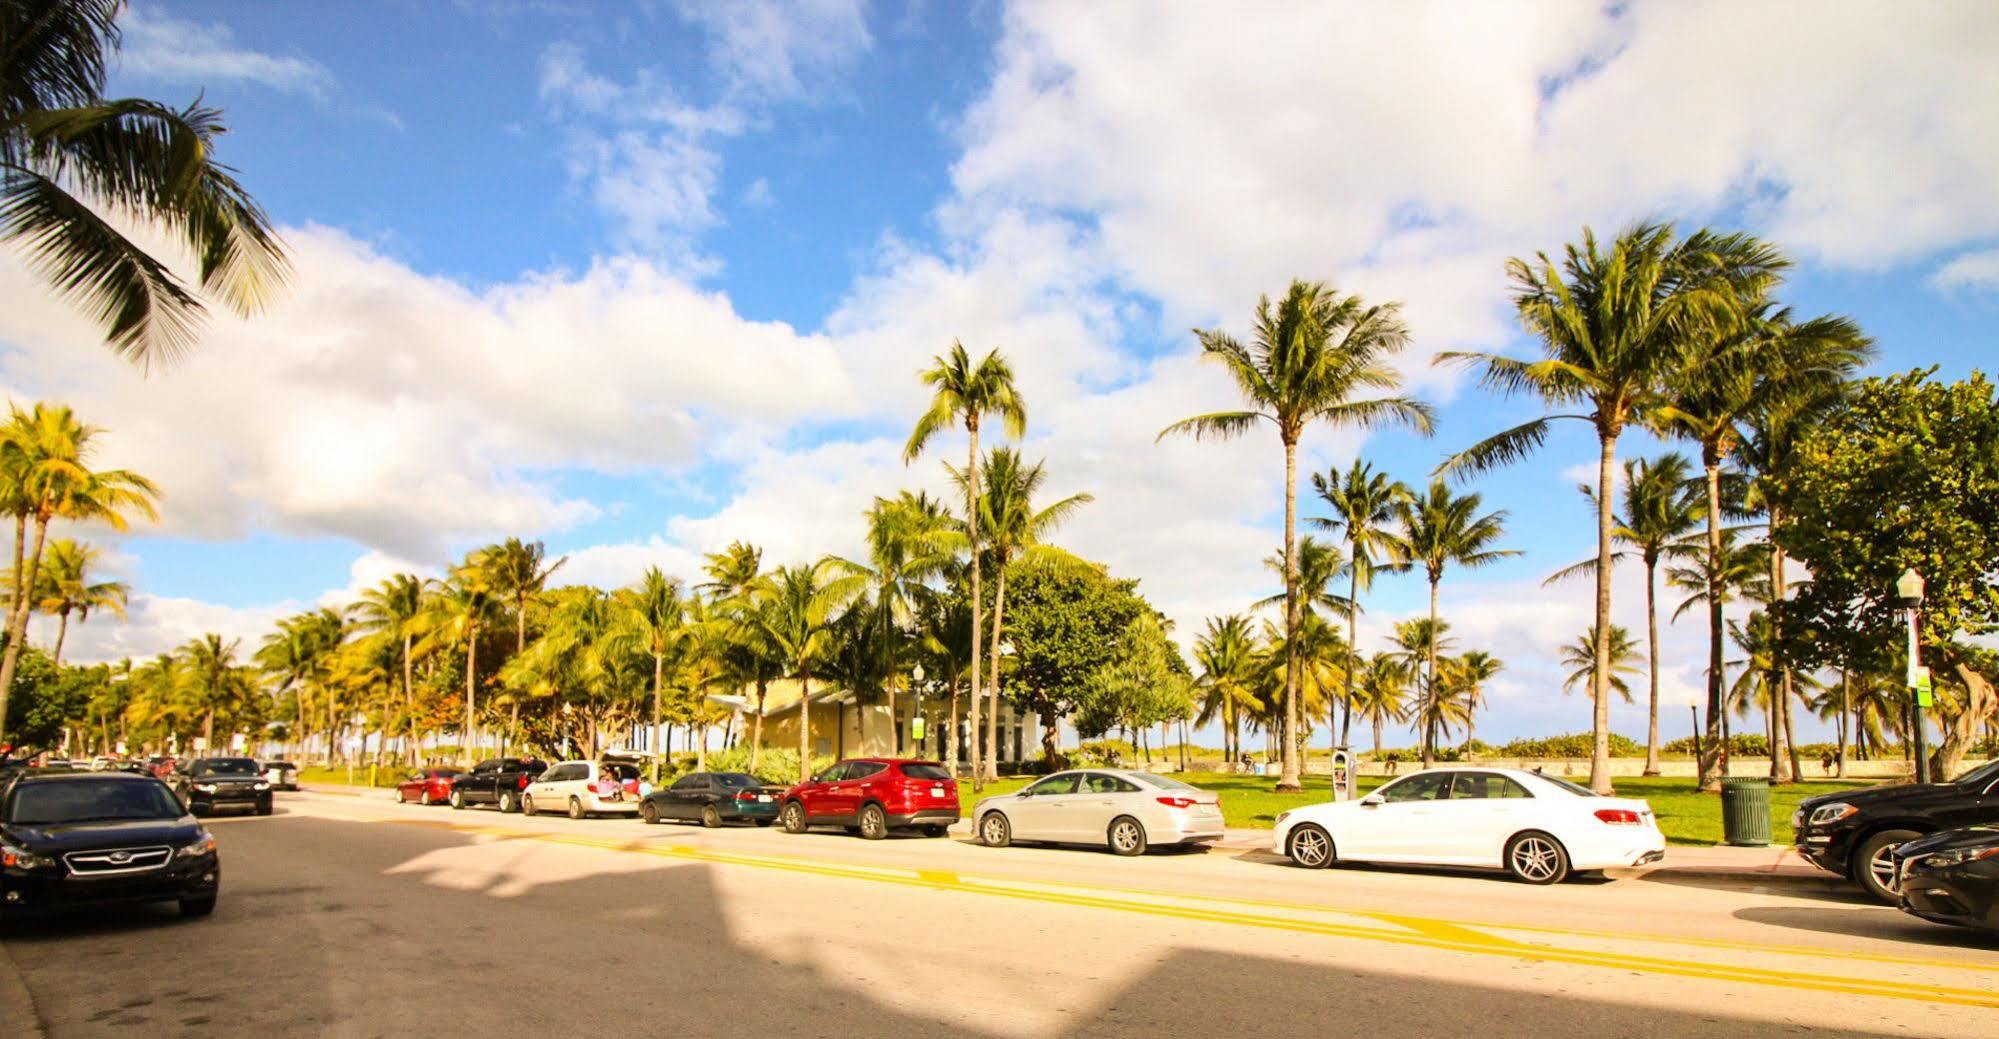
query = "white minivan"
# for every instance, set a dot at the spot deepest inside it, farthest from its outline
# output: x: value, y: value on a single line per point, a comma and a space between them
x: 584, y: 788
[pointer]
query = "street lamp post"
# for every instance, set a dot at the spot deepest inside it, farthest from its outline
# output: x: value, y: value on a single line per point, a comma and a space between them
x: 916, y: 719
x: 1909, y: 596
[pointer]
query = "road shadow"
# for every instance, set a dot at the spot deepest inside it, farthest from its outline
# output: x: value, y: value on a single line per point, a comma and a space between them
x: 1878, y: 921
x: 1829, y: 889
x: 340, y: 928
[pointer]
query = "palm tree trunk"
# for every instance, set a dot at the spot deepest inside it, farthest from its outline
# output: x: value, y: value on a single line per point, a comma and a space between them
x: 62, y: 632
x: 951, y: 734
x: 409, y: 699
x: 471, y: 671
x: 1353, y: 635
x: 17, y: 620
x: 804, y: 724
x: 1377, y: 736
x: 208, y: 731
x: 993, y: 674
x: 1430, y: 679
x: 1845, y: 707
x: 1714, y: 764
x: 1599, y: 761
x: 658, y: 695
x: 1652, y: 638
x: 972, y: 526
x: 757, y: 737
x: 1288, y: 778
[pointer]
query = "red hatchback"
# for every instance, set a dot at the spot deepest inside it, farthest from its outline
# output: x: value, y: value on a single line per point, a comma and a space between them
x: 430, y: 786
x: 872, y: 796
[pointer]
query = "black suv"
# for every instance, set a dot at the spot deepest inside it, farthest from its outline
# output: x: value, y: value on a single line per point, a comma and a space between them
x: 496, y: 781
x: 88, y: 838
x: 207, y: 784
x: 1855, y: 833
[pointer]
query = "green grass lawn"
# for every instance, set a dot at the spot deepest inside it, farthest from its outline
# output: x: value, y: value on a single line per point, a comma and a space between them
x: 386, y: 776
x: 1686, y: 815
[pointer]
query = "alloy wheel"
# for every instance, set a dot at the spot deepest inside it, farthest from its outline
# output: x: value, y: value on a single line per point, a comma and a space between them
x: 1882, y: 868
x: 1535, y: 858
x: 1311, y: 847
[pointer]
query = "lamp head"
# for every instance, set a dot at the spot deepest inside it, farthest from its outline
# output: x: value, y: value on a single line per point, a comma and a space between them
x: 1909, y: 589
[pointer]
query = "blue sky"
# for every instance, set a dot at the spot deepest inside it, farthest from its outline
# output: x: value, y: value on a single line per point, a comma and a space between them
x: 639, y: 279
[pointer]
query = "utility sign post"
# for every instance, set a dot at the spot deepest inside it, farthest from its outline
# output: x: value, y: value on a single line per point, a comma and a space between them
x: 1925, y: 689
x: 1343, y: 777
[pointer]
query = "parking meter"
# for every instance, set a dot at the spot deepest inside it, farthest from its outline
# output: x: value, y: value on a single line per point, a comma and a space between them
x: 1343, y: 777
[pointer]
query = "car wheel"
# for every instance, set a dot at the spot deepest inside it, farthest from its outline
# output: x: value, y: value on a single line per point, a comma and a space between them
x: 936, y: 831
x: 793, y: 817
x: 1874, y: 863
x: 874, y: 823
x: 506, y: 802
x: 458, y: 800
x: 402, y: 796
x: 1310, y: 846
x: 995, y: 831
x: 648, y: 814
x: 1536, y: 858
x: 575, y: 808
x: 426, y: 800
x: 197, y: 906
x: 1126, y: 836
x: 527, y: 804
x: 710, y: 817
x: 263, y: 808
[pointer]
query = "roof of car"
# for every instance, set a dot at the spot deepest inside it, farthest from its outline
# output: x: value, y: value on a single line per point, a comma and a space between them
x: 58, y: 777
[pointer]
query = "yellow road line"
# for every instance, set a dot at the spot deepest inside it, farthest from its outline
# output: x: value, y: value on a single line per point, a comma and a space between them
x: 1404, y: 930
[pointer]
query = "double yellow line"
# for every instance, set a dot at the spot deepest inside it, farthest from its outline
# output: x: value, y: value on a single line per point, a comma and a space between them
x: 1417, y: 931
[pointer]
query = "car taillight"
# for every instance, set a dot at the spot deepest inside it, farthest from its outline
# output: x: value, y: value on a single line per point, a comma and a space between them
x: 1619, y: 816
x: 524, y: 781
x: 1178, y: 802
x: 746, y: 795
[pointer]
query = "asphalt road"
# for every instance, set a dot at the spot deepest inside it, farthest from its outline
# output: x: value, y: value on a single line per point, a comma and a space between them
x: 349, y: 917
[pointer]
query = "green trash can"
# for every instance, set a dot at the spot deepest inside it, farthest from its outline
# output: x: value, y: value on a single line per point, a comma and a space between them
x: 1745, y: 812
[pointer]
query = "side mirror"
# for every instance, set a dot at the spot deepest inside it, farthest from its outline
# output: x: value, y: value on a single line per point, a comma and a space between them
x: 1372, y: 801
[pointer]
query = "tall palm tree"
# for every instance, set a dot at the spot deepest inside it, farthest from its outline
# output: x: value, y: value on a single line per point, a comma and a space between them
x: 1383, y: 693
x: 652, y: 619
x: 1472, y: 669
x: 1660, y: 509
x: 1580, y: 658
x: 910, y: 540
x: 1442, y: 529
x: 795, y: 613
x: 1226, y: 653
x: 66, y: 588
x: 733, y: 576
x: 965, y: 393
x: 396, y: 609
x: 215, y: 679
x: 1450, y: 706
x: 1748, y: 364
x: 45, y: 475
x: 465, y: 606
x: 1615, y: 325
x: 1012, y: 527
x: 1363, y: 503
x: 68, y: 154
x: 1418, y: 644
x: 1320, y: 563
x: 1310, y: 355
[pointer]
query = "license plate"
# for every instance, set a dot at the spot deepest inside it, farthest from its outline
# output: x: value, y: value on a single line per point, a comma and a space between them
x: 936, y: 791
x: 763, y: 797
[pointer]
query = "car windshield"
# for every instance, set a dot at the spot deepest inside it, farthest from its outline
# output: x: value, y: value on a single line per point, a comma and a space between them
x: 37, y: 804
x: 925, y: 772
x: 1982, y: 775
x: 1165, y: 782
x: 226, y: 767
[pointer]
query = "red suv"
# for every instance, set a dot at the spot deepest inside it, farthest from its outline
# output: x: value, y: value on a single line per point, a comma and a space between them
x: 873, y: 796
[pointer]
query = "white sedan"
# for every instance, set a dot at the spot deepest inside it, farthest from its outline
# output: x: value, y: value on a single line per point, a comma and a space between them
x: 583, y: 788
x: 1536, y: 827
x: 1110, y: 808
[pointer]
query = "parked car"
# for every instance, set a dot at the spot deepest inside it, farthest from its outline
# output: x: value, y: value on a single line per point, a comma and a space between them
x: 1854, y: 833
x: 1952, y: 877
x: 161, y: 766
x: 82, y: 838
x: 206, y: 784
x: 713, y: 798
x: 1536, y: 827
x: 584, y: 788
x: 496, y: 781
x: 1109, y: 808
x: 427, y: 786
x: 872, y: 796
x: 282, y: 775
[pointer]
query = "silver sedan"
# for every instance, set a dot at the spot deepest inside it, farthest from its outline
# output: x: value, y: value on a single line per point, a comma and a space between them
x: 1121, y: 810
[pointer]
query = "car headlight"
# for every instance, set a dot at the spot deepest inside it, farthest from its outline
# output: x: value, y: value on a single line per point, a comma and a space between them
x: 21, y: 858
x: 263, y: 786
x: 1825, y: 815
x: 201, y: 847
x: 1960, y: 856
x: 1281, y: 816
x: 206, y: 788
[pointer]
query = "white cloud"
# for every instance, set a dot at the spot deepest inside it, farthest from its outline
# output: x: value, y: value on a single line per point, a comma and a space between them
x: 1975, y: 270
x: 780, y: 49
x: 160, y: 46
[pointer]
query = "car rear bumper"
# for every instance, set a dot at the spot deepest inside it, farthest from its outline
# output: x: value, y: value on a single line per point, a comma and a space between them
x: 749, y: 809
x: 1197, y: 830
x: 1617, y: 851
x: 925, y: 817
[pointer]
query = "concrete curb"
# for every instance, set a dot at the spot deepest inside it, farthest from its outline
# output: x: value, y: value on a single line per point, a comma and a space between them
x: 18, y: 1015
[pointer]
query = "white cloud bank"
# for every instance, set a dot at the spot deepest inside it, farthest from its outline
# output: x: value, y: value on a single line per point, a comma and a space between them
x: 162, y: 47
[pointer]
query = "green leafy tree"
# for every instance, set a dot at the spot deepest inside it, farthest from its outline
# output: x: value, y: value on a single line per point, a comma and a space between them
x: 1069, y: 617
x: 1311, y: 357
x: 794, y: 614
x: 395, y: 610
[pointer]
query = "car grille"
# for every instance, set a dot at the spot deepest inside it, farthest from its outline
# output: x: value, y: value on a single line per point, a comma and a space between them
x: 113, y: 861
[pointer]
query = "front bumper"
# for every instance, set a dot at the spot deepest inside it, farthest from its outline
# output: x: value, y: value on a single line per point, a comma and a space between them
x: 40, y: 891
x: 925, y: 817
x: 225, y: 797
x: 1964, y: 896
x: 1829, y: 850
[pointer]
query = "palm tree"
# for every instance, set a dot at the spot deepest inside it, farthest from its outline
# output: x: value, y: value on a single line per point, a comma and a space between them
x: 1310, y: 354
x: 66, y: 588
x: 68, y: 154
x: 1363, y: 503
x: 795, y: 614
x: 1226, y: 653
x: 395, y: 609
x: 1012, y: 526
x: 1759, y: 363
x: 1382, y: 693
x: 1660, y: 510
x: 1441, y: 529
x: 909, y: 541
x: 652, y: 619
x: 944, y: 623
x: 1319, y: 565
x: 1614, y: 326
x: 967, y: 393
x: 215, y: 679
x: 1450, y: 706
x: 1472, y: 670
x: 518, y: 572
x: 45, y: 475
x: 1580, y: 657
x: 1418, y: 643
x: 733, y: 576
x: 465, y: 605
